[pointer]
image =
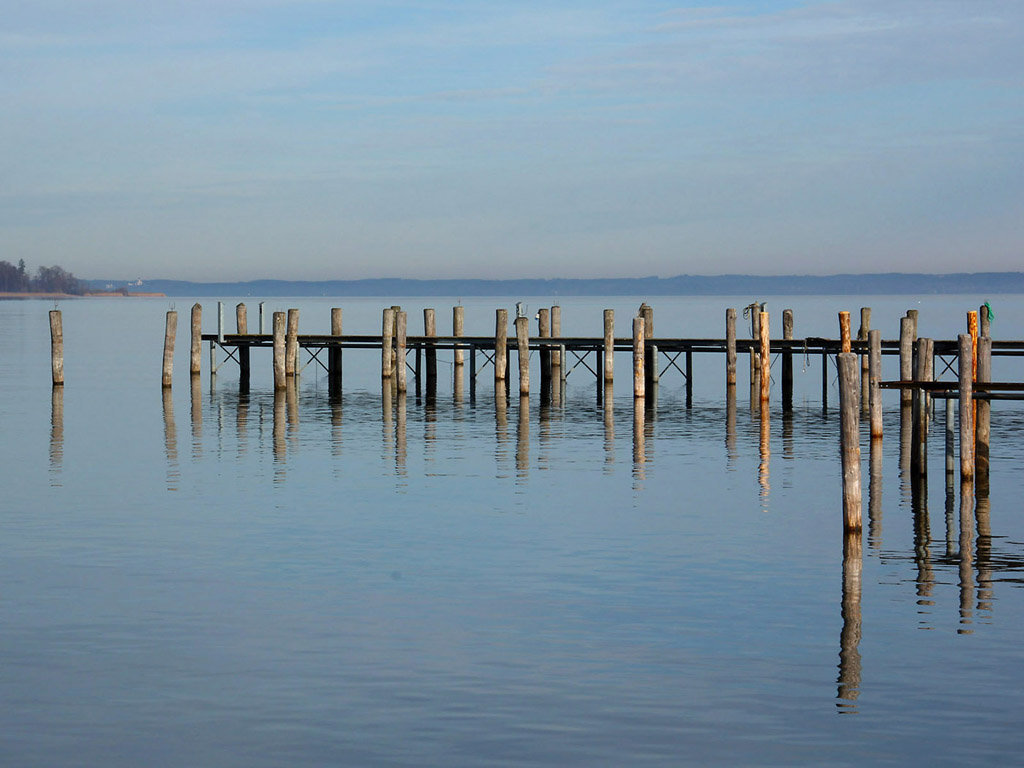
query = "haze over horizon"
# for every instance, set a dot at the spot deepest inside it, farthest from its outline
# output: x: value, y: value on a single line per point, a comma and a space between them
x: 228, y: 140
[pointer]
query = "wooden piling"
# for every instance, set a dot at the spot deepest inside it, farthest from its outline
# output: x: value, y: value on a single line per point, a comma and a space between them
x: 730, y: 346
x: 983, y: 413
x: 241, y: 319
x: 387, y: 335
x: 923, y: 373
x: 401, y: 341
x: 544, y: 332
x: 650, y: 351
x: 755, y: 333
x: 501, y: 345
x: 556, y: 333
x: 972, y: 329
x: 950, y: 442
x: 609, y: 346
x: 280, y: 376
x: 170, y: 331
x: 523, y: 342
x: 844, y: 332
x: 430, y: 351
x: 906, y: 358
x: 458, y: 330
x: 639, y: 380
x: 787, y: 361
x: 766, y: 359
x: 849, y: 409
x: 291, y: 350
x: 862, y: 336
x: 57, y: 349
x: 966, y: 366
x: 196, y: 348
x: 242, y: 328
x: 985, y: 321
x: 334, y: 359
x: 874, y: 381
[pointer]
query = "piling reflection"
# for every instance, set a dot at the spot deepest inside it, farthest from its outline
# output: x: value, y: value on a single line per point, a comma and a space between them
x: 925, y: 579
x: 387, y: 411
x: 849, y: 681
x: 608, y: 405
x: 401, y: 451
x: 170, y: 441
x: 242, y: 422
x: 56, y: 433
x: 765, y: 454
x: 966, y: 568
x: 875, y: 494
x: 906, y: 430
x: 639, y: 441
x: 430, y: 430
x: 337, y: 432
x: 730, y: 426
x: 278, y: 438
x: 292, y: 400
x: 196, y: 414
x: 523, y: 439
x: 501, y: 441
x: 788, y: 447
x: 982, y: 511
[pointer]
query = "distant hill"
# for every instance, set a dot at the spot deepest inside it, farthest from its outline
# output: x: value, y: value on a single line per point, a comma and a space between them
x: 682, y: 285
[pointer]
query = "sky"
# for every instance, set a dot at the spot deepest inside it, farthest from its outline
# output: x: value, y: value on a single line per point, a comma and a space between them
x: 342, y: 139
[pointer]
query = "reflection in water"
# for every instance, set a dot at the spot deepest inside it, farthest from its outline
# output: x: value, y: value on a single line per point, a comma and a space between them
x: 609, y: 427
x: 639, y: 445
x: 387, y: 409
x: 765, y: 452
x: 875, y: 495
x: 401, y: 452
x: 196, y: 413
x: 730, y: 426
x: 544, y: 436
x: 336, y: 428
x: 501, y: 443
x: 430, y: 429
x: 56, y: 433
x: 523, y: 438
x: 966, y: 557
x: 849, y: 638
x: 292, y: 399
x: 242, y: 421
x: 983, y: 510
x: 922, y: 541
x: 906, y: 428
x: 280, y: 448
x: 170, y: 441
x: 788, y: 447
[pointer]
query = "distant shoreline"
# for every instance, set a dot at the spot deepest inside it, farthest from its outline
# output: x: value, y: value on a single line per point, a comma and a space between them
x: 91, y: 295
x: 894, y: 284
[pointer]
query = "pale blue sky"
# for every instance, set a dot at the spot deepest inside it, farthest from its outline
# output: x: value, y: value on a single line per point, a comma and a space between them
x: 235, y: 139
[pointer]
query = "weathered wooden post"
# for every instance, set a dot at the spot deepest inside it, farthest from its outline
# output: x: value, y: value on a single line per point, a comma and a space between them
x: 242, y: 326
x: 556, y: 333
x: 639, y: 379
x: 430, y: 351
x: 334, y: 359
x: 544, y: 354
x: 458, y: 330
x: 983, y: 413
x: 906, y: 358
x: 609, y: 346
x: 849, y: 409
x: 844, y: 332
x: 874, y: 381
x: 766, y: 359
x: 170, y: 331
x: 985, y: 318
x: 523, y: 343
x: 966, y: 366
x: 651, y: 351
x: 57, y: 348
x: 291, y: 350
x: 501, y: 345
x: 755, y: 333
x: 787, y: 361
x: 262, y: 326
x: 972, y: 329
x: 387, y: 336
x: 950, y: 441
x: 196, y: 349
x: 862, y: 336
x: 280, y: 376
x: 401, y: 338
x: 919, y: 455
x: 730, y: 347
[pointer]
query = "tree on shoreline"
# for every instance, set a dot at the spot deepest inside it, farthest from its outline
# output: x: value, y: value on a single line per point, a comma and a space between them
x: 15, y: 279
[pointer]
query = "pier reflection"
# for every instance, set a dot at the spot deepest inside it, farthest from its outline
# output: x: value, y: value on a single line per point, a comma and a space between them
x: 966, y: 569
x: 501, y: 440
x: 170, y: 441
x: 639, y: 442
x: 56, y: 433
x: 523, y: 439
x: 196, y: 415
x: 730, y: 426
x: 608, y: 408
x: 765, y: 456
x: 875, y: 494
x: 849, y: 681
x: 278, y: 439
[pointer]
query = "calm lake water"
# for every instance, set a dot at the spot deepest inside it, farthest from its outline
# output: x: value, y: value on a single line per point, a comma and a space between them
x: 208, y: 578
